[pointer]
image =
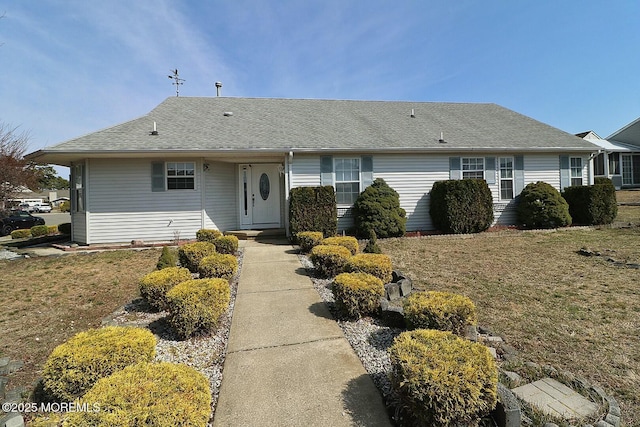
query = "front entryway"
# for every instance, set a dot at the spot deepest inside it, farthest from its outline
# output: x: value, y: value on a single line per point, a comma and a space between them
x: 259, y: 196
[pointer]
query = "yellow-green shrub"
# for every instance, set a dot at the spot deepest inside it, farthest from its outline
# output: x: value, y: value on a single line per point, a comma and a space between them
x: 226, y: 244
x: 39, y: 230
x: 52, y: 229
x: 195, y: 306
x: 74, y: 366
x: 207, y: 235
x: 357, y: 294
x: 20, y: 234
x: 308, y: 239
x: 147, y: 394
x: 329, y: 260
x: 191, y: 254
x: 222, y: 266
x: 445, y: 311
x: 442, y: 379
x: 378, y: 265
x: 155, y: 285
x: 348, y: 242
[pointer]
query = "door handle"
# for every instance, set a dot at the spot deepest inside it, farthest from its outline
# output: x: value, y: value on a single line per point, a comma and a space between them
x: 253, y: 200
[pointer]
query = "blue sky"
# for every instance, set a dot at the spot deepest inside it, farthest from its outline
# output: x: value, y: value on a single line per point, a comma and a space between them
x: 70, y: 67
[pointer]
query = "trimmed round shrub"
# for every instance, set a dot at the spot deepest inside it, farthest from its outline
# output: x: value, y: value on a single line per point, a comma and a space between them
x: 444, y: 311
x: 21, y: 234
x: 378, y: 208
x: 329, y: 260
x: 195, y: 306
x: 222, y: 266
x: 541, y: 206
x: 155, y: 285
x: 168, y: 258
x: 52, y: 229
x: 39, y: 230
x: 65, y: 228
x: 226, y: 244
x: 207, y: 235
x: 378, y: 265
x: 441, y: 379
x: 308, y: 239
x: 348, y: 242
x: 372, y: 244
x: 357, y: 294
x: 147, y: 394
x: 74, y: 366
x: 191, y: 254
x: 461, y: 206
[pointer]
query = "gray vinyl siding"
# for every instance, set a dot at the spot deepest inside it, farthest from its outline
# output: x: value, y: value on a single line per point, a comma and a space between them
x: 221, y: 196
x: 305, y: 171
x: 123, y: 207
x: 79, y: 224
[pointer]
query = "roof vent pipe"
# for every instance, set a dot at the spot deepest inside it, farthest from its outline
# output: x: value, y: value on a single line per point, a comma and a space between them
x: 441, y: 140
x: 413, y: 113
x: 218, y: 87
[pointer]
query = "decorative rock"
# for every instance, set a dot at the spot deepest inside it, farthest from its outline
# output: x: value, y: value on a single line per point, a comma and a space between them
x: 612, y: 419
x: 513, y: 377
x: 549, y: 370
x: 484, y: 330
x: 405, y: 286
x: 12, y: 367
x: 393, y: 291
x: 493, y: 352
x: 507, y: 412
x: 532, y: 365
x: 3, y: 385
x: 137, y: 243
x: 394, y: 317
x: 396, y: 276
x: 550, y: 425
x: 471, y: 333
x: 12, y: 420
x: 603, y: 424
x: 494, y: 339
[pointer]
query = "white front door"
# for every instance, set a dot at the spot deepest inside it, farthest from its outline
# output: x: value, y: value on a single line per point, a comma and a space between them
x: 259, y: 196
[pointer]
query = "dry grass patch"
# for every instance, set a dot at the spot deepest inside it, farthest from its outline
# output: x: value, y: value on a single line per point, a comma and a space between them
x: 45, y: 301
x: 555, y: 306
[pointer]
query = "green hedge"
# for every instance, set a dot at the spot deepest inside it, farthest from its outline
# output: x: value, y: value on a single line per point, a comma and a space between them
x: 313, y: 209
x: 540, y: 205
x: 39, y: 230
x: 461, y: 206
x: 65, y: 228
x: 378, y: 208
x: 21, y: 234
x: 592, y: 205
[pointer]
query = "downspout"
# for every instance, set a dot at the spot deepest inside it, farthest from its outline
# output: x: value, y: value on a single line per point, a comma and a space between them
x: 288, y: 161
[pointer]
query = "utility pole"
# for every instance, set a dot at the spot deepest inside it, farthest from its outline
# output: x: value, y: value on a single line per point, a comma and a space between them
x: 177, y: 80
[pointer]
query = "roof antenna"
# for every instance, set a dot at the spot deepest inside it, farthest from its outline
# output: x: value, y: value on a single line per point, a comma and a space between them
x: 218, y: 87
x: 178, y: 81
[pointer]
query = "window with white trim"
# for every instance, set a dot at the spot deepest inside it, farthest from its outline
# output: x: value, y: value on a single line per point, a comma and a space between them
x: 614, y: 163
x: 506, y: 178
x: 576, y: 170
x: 78, y: 187
x: 347, y: 181
x: 181, y: 175
x: 473, y: 168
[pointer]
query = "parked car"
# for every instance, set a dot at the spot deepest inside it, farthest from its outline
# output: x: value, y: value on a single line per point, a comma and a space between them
x: 41, y: 207
x: 10, y: 221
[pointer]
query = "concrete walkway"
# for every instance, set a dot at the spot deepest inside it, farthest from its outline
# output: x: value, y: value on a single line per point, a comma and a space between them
x: 288, y: 362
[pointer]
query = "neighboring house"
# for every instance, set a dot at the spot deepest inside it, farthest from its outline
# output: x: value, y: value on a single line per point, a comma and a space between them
x: 230, y: 163
x: 619, y: 155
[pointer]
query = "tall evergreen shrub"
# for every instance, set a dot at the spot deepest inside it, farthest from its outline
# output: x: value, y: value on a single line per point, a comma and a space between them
x: 461, y: 206
x: 594, y: 204
x: 378, y: 208
x: 313, y: 209
x: 542, y: 206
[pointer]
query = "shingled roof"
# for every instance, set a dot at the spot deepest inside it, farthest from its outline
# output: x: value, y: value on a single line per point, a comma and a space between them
x: 208, y: 125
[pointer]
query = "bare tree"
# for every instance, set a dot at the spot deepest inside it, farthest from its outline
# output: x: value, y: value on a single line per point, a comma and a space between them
x: 16, y: 173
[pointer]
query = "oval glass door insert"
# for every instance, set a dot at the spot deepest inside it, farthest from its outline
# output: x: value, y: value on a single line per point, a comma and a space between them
x: 265, y: 186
